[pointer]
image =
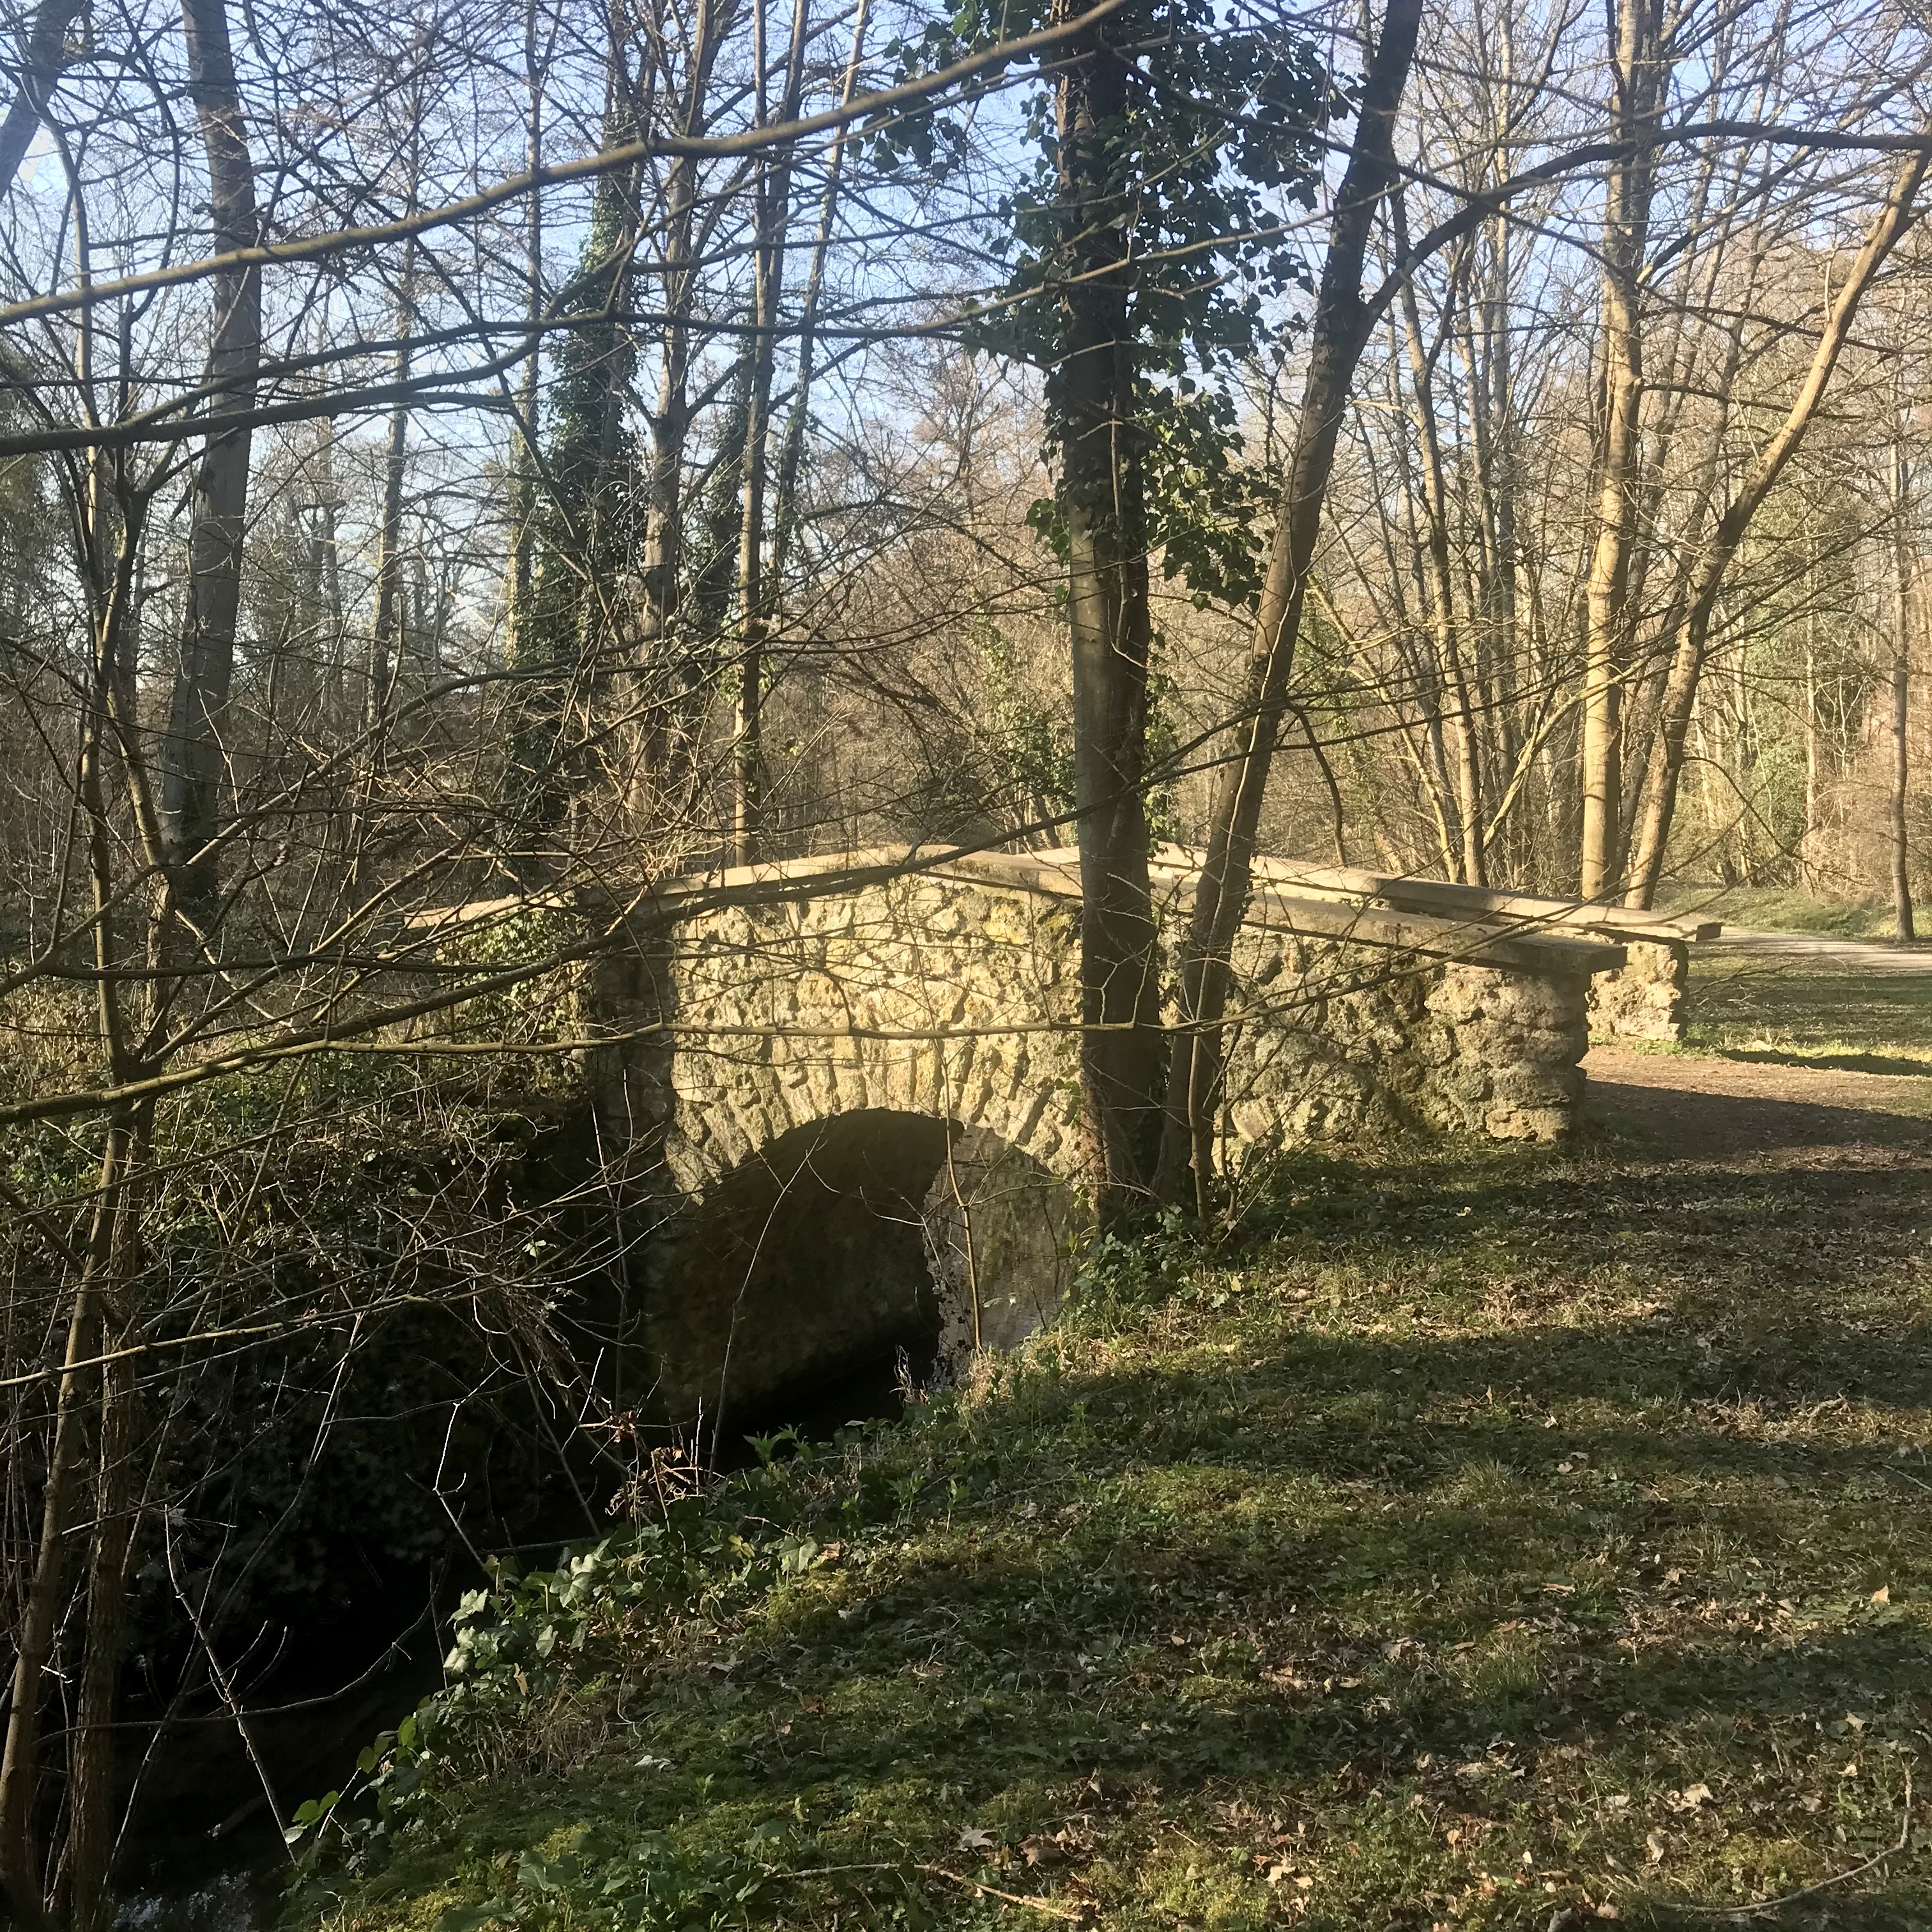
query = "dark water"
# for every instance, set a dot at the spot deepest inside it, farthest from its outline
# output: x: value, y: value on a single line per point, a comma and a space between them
x: 202, y: 1850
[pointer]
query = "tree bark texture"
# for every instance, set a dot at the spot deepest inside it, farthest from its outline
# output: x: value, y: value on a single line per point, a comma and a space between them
x: 1342, y: 323
x: 1901, y: 695
x: 192, y: 755
x: 1103, y: 503
x: 1639, y: 76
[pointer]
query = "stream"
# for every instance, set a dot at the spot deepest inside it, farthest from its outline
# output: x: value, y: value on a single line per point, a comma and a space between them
x: 201, y: 1850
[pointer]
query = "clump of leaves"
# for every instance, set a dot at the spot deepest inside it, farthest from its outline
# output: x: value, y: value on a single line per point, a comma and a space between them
x: 1188, y: 195
x: 651, y: 1884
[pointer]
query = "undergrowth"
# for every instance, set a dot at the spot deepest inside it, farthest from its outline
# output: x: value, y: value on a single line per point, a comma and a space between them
x: 1480, y: 1540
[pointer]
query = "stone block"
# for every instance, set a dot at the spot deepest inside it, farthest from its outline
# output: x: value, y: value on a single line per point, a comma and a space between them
x: 1648, y: 998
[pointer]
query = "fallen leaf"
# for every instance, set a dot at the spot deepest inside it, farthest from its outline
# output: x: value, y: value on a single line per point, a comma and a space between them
x: 1653, y: 1848
x: 1851, y: 1770
x: 1607, y: 1910
x: 974, y: 1840
x: 1883, y: 1595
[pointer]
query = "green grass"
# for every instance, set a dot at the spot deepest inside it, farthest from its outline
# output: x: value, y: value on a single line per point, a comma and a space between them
x: 1781, y: 909
x: 1751, y: 1008
x: 1487, y: 1539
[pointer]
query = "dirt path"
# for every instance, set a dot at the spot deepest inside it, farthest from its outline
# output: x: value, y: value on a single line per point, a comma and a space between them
x: 1701, y: 1108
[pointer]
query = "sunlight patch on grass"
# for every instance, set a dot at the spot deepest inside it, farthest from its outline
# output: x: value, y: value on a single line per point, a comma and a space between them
x: 1475, y: 1539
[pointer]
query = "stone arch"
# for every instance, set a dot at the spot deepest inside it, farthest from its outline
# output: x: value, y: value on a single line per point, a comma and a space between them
x: 842, y: 1242
x: 943, y: 997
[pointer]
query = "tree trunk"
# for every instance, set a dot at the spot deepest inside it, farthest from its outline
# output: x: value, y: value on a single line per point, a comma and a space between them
x: 386, y: 638
x: 103, y: 1266
x: 91, y: 1785
x: 1627, y: 193
x: 671, y: 725
x: 1807, y: 844
x: 1461, y: 720
x: 1341, y: 325
x: 74, y: 1412
x: 191, y: 750
x: 1901, y: 692
x: 798, y: 425
x: 517, y: 599
x: 774, y: 213
x: 1680, y: 692
x: 41, y: 62
x: 1102, y: 502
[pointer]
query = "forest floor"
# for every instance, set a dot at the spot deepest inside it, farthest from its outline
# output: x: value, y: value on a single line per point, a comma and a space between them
x: 1478, y: 1538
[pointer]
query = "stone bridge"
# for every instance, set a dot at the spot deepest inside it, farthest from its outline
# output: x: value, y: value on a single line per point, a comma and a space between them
x: 846, y: 1096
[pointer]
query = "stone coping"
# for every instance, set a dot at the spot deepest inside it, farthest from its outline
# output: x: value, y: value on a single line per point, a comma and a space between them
x: 1533, y: 912
x: 1432, y: 918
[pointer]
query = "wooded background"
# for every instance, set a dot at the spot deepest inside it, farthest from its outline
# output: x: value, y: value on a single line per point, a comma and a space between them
x: 514, y: 450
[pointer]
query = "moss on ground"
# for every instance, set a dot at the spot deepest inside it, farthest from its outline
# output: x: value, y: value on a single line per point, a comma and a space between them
x: 1479, y: 1540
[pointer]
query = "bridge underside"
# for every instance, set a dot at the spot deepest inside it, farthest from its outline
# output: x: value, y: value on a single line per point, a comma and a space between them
x: 852, y: 1253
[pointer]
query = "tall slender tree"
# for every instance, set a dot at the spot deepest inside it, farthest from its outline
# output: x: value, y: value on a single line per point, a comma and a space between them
x: 1342, y: 320
x: 192, y: 751
x: 1172, y: 153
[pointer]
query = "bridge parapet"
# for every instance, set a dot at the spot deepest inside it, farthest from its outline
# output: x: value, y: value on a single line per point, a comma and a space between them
x: 1646, y: 996
x: 951, y: 992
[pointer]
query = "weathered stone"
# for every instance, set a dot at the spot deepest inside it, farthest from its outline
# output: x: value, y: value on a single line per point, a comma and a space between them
x: 1646, y: 998
x: 878, y: 1029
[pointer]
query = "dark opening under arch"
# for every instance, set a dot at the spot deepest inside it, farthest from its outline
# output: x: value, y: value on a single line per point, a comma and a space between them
x: 838, y: 1246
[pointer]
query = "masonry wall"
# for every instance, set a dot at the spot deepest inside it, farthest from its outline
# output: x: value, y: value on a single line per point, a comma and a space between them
x: 1648, y: 998
x: 886, y: 1010
x: 957, y: 999
x: 1344, y: 1040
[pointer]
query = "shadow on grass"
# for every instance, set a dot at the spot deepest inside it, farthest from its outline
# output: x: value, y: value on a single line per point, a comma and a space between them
x: 1839, y: 1062
x: 1688, y: 1122
x: 1602, y: 1524
x: 1577, y: 1204
x: 1875, y: 1012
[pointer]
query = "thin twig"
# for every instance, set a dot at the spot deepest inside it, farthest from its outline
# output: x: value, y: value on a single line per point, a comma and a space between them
x: 1072, y: 1915
x: 1807, y: 1891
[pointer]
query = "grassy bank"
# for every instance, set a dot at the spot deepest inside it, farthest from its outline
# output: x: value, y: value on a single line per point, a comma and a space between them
x: 1486, y: 1541
x: 1781, y: 909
